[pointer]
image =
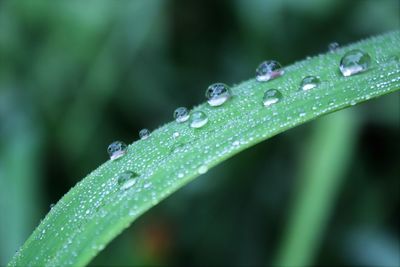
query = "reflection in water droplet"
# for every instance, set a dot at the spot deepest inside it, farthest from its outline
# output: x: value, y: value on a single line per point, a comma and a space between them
x: 217, y: 94
x: 198, y: 119
x: 309, y: 82
x: 268, y: 70
x: 127, y: 179
x: 271, y: 97
x: 144, y: 134
x: 181, y: 114
x: 116, y: 150
x: 354, y: 61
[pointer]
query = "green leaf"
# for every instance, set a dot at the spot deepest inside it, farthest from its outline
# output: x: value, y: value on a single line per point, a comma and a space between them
x: 92, y: 213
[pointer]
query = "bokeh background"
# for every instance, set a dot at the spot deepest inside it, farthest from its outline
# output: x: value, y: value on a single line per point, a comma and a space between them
x: 76, y: 75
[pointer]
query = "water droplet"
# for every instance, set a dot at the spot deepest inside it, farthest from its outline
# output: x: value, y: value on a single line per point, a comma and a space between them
x: 116, y: 150
x: 181, y: 114
x: 354, y: 61
x: 175, y: 135
x: 333, y: 47
x: 268, y: 70
x: 217, y: 94
x: 202, y: 169
x: 271, y: 97
x: 198, y: 119
x: 309, y: 82
x: 127, y: 179
x: 144, y: 134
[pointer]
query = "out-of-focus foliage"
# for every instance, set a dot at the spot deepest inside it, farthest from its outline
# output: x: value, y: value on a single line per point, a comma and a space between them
x: 75, y: 75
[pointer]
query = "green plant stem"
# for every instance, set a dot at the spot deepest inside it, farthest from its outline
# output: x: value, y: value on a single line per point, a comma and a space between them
x: 325, y: 164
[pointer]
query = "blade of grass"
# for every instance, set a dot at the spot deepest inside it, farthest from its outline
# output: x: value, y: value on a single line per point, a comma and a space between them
x: 324, y: 165
x: 92, y: 213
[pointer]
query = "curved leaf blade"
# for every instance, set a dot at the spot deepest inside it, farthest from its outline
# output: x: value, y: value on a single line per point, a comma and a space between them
x: 93, y: 212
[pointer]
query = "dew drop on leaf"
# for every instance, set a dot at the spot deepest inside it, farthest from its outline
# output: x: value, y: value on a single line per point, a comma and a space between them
x: 202, y: 169
x: 126, y: 179
x: 333, y: 47
x: 354, y: 61
x: 309, y: 82
x: 181, y: 114
x: 175, y: 135
x: 271, y: 97
x: 144, y: 134
x: 198, y: 119
x: 268, y: 70
x: 116, y: 150
x: 217, y: 94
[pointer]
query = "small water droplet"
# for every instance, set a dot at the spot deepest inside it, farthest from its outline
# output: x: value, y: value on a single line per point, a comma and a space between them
x: 271, y: 97
x: 52, y: 205
x: 175, y: 135
x: 202, y: 169
x: 333, y: 47
x: 127, y: 179
x: 217, y: 94
x: 144, y: 134
x: 309, y: 82
x: 116, y: 150
x: 268, y: 70
x: 198, y: 119
x: 354, y: 61
x: 147, y: 185
x: 236, y: 143
x: 181, y: 114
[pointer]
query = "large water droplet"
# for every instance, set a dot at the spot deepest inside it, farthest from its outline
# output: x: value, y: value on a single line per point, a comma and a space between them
x: 144, y: 134
x: 271, y: 97
x: 354, y: 61
x: 127, y: 179
x: 198, y: 119
x: 181, y: 114
x: 309, y: 82
x: 217, y: 94
x: 333, y: 47
x: 116, y: 150
x: 268, y: 70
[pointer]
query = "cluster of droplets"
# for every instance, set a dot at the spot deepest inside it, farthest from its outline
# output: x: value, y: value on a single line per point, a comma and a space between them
x: 217, y: 94
x: 352, y: 62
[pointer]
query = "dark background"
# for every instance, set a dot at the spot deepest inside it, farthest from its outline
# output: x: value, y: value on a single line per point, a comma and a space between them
x: 76, y: 75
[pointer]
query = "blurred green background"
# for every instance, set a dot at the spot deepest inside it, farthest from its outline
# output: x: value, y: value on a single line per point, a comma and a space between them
x: 77, y: 75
